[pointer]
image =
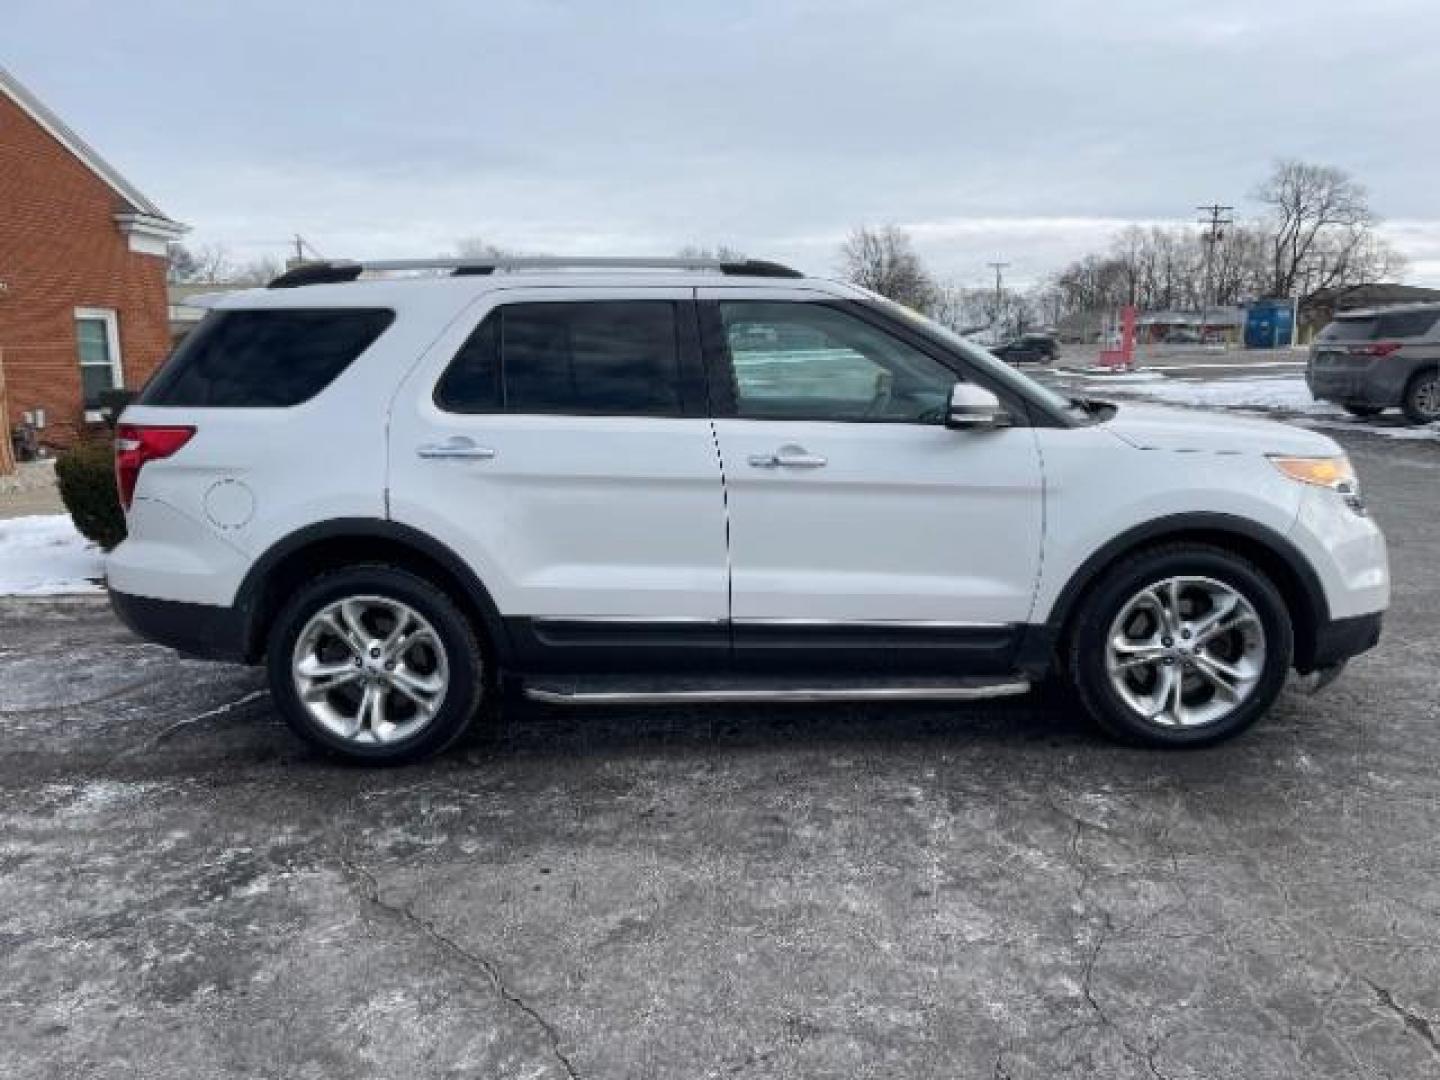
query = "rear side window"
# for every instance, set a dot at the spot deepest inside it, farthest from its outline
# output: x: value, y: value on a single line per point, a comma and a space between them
x: 1404, y: 324
x: 264, y: 359
x: 1382, y: 327
x: 610, y: 358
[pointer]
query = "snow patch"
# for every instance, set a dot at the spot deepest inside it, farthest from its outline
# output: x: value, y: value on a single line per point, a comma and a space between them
x: 1425, y: 433
x: 44, y: 556
x: 1273, y: 392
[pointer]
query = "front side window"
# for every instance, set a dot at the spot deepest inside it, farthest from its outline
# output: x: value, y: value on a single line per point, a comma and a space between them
x: 97, y: 341
x: 577, y: 358
x: 264, y: 358
x: 804, y: 361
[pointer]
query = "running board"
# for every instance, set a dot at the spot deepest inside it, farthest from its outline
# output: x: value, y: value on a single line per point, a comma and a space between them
x: 694, y: 692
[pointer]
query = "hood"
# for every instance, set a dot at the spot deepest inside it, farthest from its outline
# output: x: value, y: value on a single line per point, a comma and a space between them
x: 1154, y: 427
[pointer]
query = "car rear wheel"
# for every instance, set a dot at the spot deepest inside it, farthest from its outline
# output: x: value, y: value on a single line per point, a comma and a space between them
x: 1362, y: 411
x: 1183, y: 645
x: 1422, y: 397
x: 376, y: 665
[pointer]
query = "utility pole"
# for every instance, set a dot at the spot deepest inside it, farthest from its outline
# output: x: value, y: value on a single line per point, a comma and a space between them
x: 301, y: 246
x: 999, y: 268
x: 1216, y: 220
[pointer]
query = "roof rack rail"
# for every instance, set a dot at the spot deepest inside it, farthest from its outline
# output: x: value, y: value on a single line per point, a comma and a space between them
x: 316, y: 273
x: 341, y: 270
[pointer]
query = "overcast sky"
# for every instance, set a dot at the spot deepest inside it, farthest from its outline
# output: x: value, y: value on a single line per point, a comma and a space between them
x: 1024, y: 130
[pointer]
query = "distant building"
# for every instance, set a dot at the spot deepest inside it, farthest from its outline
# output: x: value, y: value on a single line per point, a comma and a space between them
x: 1321, y: 306
x: 82, y: 272
x: 1219, y: 324
x: 184, y: 315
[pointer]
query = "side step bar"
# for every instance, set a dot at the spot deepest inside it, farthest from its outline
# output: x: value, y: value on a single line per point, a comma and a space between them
x: 740, y: 694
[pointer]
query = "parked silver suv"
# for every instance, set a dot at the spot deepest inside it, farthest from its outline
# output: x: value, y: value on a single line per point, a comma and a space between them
x: 1369, y: 361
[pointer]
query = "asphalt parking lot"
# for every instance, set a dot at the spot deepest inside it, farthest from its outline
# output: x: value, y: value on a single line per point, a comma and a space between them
x: 185, y: 891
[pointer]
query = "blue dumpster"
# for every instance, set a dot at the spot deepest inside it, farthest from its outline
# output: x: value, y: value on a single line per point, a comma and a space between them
x: 1269, y: 324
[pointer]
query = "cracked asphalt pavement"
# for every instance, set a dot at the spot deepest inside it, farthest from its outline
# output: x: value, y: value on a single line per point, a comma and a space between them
x: 186, y: 891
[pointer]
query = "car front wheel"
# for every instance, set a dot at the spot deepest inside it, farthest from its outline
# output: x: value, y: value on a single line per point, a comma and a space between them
x: 376, y: 665
x: 1180, y: 646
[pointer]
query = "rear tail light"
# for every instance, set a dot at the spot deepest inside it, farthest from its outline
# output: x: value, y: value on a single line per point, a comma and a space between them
x: 1378, y: 348
x: 135, y: 444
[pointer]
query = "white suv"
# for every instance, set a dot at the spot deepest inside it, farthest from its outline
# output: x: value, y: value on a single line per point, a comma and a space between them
x: 410, y: 487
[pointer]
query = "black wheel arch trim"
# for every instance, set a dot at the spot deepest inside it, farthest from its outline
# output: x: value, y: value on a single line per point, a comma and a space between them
x: 249, y: 598
x: 1202, y: 526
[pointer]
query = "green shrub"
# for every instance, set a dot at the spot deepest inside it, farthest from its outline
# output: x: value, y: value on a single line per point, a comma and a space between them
x: 86, y: 473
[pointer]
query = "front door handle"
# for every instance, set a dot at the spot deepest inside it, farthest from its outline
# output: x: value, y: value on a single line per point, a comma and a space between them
x: 457, y: 446
x: 792, y: 457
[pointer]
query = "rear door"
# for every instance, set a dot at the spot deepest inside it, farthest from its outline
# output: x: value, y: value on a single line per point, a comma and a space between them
x: 860, y: 526
x: 557, y: 440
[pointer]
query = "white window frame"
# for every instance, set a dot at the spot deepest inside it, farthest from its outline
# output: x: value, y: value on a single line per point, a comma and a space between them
x: 112, y: 342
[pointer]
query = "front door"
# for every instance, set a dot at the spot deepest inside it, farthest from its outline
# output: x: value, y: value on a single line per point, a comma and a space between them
x: 557, y: 440
x: 861, y: 528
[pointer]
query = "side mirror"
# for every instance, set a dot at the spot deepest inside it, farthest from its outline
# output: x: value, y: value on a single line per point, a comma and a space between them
x: 975, y: 409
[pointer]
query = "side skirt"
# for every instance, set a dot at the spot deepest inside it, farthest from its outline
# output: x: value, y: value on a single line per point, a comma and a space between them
x: 819, y: 649
x: 611, y: 691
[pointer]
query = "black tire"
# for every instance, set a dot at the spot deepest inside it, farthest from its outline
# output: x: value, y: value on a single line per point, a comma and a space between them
x: 1362, y: 411
x: 1088, y: 642
x: 469, y: 674
x: 1421, y: 401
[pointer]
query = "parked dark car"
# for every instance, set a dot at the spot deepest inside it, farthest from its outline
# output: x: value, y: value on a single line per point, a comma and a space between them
x: 1369, y: 361
x: 1028, y: 349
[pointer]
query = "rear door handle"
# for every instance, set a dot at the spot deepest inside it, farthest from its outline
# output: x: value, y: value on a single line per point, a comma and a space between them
x: 457, y: 446
x: 791, y: 457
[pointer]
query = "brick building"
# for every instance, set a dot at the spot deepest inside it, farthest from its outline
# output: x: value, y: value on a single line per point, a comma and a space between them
x: 82, y: 273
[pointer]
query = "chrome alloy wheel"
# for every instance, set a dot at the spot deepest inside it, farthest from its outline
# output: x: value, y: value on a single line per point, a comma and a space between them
x: 370, y: 669
x: 1185, y: 651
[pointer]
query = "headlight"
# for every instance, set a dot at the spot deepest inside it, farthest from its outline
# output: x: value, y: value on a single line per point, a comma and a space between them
x: 1335, y: 473
x: 1331, y: 472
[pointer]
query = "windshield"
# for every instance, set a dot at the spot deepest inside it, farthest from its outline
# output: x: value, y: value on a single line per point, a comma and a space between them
x: 982, y: 358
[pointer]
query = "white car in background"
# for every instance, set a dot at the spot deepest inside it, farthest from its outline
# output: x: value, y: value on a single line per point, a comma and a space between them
x: 677, y: 481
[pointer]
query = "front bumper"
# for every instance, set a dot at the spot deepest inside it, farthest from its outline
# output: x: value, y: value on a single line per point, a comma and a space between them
x: 1340, y: 639
x: 1378, y: 383
x: 205, y: 631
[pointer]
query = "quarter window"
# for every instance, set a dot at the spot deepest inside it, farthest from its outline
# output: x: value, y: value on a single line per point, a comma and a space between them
x: 805, y: 361
x: 264, y: 358
x: 97, y: 341
x: 612, y: 358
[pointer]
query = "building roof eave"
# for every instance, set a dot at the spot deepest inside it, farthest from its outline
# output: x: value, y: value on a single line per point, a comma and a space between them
x: 139, y: 206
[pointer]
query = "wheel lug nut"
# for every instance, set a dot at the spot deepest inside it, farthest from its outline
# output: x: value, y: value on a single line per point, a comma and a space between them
x: 1167, y: 642
x: 1185, y: 634
x: 375, y: 651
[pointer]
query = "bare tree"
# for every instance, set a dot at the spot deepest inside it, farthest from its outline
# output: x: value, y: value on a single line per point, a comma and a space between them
x: 477, y: 247
x: 964, y: 310
x: 259, y: 271
x: 1320, y: 224
x: 884, y: 261
x: 208, y: 264
x: 723, y: 252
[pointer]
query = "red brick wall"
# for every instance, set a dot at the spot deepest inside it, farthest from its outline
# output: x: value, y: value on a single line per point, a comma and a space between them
x: 60, y: 249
